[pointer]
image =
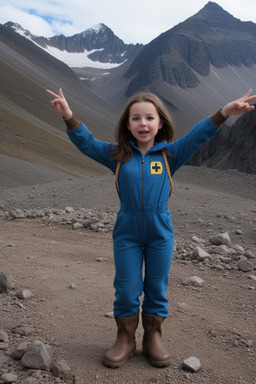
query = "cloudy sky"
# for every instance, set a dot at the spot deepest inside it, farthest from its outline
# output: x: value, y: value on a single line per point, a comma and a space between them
x: 134, y: 21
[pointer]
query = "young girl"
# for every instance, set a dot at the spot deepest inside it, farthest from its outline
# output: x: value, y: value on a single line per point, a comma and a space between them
x: 143, y: 229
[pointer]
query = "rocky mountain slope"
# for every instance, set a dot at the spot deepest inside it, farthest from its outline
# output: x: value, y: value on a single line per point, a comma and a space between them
x: 232, y: 148
x: 212, y: 37
x: 30, y: 128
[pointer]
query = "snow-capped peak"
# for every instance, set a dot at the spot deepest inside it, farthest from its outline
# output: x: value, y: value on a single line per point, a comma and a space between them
x: 92, y: 48
x: 98, y: 27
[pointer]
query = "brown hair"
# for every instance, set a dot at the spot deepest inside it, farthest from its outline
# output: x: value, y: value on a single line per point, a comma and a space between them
x: 123, y: 151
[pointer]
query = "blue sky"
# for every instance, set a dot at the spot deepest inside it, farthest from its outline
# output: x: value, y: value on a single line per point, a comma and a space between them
x: 133, y: 21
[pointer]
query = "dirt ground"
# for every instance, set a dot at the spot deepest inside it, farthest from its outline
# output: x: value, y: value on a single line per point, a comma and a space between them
x: 215, y: 323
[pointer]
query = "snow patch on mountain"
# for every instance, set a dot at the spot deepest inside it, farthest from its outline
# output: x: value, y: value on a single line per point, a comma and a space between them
x: 73, y: 60
x: 78, y: 60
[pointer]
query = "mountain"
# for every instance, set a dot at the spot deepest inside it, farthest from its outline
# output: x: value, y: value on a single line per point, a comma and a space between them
x: 30, y: 129
x: 211, y: 38
x: 232, y: 147
x: 95, y: 47
x: 195, y: 68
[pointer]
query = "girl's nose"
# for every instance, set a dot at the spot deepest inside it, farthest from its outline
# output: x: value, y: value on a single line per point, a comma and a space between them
x: 143, y: 122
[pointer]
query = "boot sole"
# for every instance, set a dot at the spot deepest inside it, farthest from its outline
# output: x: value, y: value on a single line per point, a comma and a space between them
x: 110, y: 364
x: 156, y: 363
x: 160, y: 364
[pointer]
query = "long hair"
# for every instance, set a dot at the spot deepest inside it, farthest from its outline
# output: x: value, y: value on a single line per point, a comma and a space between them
x: 122, y: 151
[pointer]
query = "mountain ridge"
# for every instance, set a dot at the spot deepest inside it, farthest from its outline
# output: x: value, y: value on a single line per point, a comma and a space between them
x: 98, y: 44
x: 183, y: 53
x: 97, y: 96
x: 232, y: 148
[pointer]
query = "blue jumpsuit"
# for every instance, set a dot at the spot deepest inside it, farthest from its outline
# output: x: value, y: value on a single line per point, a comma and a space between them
x: 143, y: 229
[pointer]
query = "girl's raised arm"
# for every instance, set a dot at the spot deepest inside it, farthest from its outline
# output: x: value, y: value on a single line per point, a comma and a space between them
x: 60, y: 104
x: 239, y: 106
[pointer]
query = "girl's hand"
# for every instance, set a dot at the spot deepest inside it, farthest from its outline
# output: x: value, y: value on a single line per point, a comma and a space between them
x: 239, y: 106
x: 60, y: 104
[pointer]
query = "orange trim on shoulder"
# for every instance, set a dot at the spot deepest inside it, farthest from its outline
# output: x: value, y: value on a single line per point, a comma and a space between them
x: 168, y: 170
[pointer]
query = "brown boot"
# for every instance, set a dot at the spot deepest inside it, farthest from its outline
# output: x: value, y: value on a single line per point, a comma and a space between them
x: 125, y: 345
x: 153, y: 348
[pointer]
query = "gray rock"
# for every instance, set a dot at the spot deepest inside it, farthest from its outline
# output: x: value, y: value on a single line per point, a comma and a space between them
x: 3, y: 346
x: 192, y: 363
x: 245, y: 265
x: 223, y: 249
x: 110, y: 315
x: 200, y: 254
x: 39, y: 213
x: 229, y: 217
x: 17, y: 214
x: 6, y: 282
x: 20, y: 350
x: 220, y: 239
x: 47, y: 211
x: 61, y: 368
x: 22, y: 330
x: 197, y: 239
x: 69, y: 209
x: 23, y: 294
x: 3, y: 360
x: 78, y: 226
x: 38, y: 356
x: 249, y: 255
x: 9, y: 378
x: 31, y: 214
x: 3, y: 336
x: 194, y: 280
x: 239, y: 248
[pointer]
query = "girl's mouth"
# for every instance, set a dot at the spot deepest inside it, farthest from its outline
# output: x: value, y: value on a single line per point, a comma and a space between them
x: 143, y: 133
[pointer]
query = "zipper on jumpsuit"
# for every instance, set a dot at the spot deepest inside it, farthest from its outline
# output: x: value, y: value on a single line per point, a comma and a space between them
x: 142, y: 186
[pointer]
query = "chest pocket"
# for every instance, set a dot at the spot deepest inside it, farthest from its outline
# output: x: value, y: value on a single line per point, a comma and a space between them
x: 156, y: 168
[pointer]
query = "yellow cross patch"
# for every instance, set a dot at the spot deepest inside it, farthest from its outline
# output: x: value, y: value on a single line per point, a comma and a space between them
x: 156, y: 168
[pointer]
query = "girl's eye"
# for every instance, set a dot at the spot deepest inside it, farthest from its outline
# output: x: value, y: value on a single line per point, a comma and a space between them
x: 150, y: 118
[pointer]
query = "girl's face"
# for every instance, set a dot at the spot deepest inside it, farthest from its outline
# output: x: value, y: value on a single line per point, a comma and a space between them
x: 144, y: 123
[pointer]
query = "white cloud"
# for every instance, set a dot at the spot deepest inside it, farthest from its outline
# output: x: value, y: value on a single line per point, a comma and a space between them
x: 33, y: 23
x: 133, y: 21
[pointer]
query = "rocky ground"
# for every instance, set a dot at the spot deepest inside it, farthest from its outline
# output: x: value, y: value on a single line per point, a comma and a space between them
x: 56, y: 243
